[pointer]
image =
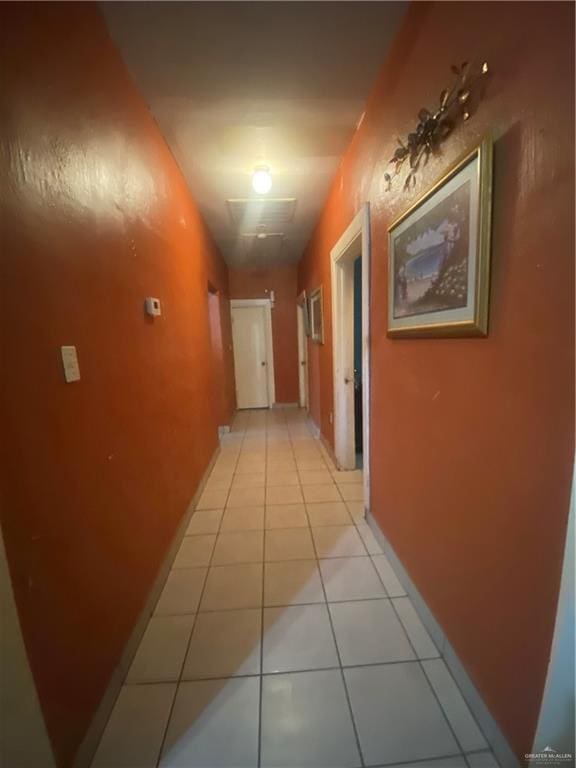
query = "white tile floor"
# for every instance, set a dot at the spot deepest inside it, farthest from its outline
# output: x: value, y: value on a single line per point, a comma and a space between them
x: 283, y: 636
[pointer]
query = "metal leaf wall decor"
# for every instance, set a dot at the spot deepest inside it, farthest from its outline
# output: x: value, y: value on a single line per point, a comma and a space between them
x: 455, y: 105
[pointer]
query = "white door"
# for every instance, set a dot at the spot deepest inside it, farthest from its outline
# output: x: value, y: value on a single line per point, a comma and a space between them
x: 250, y: 357
x: 344, y: 421
x: 302, y: 359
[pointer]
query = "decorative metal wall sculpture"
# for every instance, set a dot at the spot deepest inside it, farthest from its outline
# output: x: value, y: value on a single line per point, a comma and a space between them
x: 456, y: 104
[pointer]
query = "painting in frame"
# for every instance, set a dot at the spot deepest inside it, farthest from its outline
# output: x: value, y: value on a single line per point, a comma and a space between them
x: 316, y: 316
x: 439, y: 254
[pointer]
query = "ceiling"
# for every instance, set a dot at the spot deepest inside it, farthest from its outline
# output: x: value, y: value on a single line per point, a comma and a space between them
x: 236, y: 84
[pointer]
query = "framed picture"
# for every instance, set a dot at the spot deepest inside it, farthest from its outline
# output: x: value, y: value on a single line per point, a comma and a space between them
x: 316, y: 316
x: 439, y: 254
x: 303, y: 302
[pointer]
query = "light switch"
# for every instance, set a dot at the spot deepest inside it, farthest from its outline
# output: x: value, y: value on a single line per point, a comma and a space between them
x: 152, y: 306
x: 70, y: 363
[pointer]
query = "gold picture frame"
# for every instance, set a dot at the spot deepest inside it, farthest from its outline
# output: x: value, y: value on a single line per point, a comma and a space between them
x: 316, y: 316
x: 439, y: 254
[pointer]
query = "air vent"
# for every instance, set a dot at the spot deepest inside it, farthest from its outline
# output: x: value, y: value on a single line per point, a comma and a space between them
x: 261, y: 235
x: 259, y: 251
x: 255, y: 243
x: 270, y: 212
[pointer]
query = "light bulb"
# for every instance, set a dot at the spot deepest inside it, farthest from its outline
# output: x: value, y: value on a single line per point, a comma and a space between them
x: 261, y: 180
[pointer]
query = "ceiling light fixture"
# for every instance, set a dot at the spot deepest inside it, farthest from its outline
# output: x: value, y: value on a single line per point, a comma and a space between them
x: 261, y: 180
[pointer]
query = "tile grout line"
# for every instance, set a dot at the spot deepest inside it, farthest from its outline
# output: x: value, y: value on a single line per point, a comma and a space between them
x: 410, y: 763
x: 332, y: 667
x: 279, y: 528
x: 290, y: 605
x: 444, y: 713
x: 261, y: 677
x: 342, y: 677
x: 179, y: 681
x: 423, y: 670
x: 289, y: 560
x: 487, y: 750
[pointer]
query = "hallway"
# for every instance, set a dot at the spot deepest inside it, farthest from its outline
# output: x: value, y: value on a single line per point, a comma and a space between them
x: 282, y: 636
x: 240, y: 243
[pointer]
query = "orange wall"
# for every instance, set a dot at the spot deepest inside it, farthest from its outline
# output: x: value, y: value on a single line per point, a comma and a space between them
x: 472, y: 443
x: 96, y: 474
x: 257, y: 284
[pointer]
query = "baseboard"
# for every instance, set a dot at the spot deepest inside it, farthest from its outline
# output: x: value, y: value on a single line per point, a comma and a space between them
x: 89, y: 745
x: 317, y: 433
x: 285, y: 405
x: 329, y: 450
x: 313, y: 427
x: 494, y: 736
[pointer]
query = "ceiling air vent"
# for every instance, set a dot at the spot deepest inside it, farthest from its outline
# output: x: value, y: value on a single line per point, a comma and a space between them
x: 258, y: 250
x: 271, y: 212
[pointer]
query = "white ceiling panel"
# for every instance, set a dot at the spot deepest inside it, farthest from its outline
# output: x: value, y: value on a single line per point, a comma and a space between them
x: 233, y: 85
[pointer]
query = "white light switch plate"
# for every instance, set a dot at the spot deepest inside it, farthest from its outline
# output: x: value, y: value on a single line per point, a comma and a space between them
x: 70, y: 363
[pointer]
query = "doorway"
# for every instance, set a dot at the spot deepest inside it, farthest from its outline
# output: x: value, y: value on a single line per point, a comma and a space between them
x: 358, y: 405
x: 216, y: 343
x: 350, y: 273
x: 302, y: 320
x: 253, y: 356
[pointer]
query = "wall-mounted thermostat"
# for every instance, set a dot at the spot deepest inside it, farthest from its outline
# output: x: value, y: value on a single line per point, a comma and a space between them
x: 70, y: 363
x: 152, y: 306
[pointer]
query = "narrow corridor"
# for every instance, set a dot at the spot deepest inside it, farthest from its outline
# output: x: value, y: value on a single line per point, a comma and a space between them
x: 214, y: 214
x: 282, y: 636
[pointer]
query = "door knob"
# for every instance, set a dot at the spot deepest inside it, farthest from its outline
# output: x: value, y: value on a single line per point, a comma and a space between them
x: 263, y: 362
x: 346, y: 380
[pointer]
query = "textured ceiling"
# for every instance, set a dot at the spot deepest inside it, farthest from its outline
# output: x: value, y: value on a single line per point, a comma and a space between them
x: 237, y: 84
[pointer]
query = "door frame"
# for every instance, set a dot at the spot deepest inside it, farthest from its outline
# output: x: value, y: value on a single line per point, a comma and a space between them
x: 267, y: 304
x: 354, y: 242
x: 217, y: 347
x: 302, y: 352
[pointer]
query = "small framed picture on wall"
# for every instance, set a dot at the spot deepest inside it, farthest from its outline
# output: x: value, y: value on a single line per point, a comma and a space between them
x: 316, y: 316
x: 439, y: 254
